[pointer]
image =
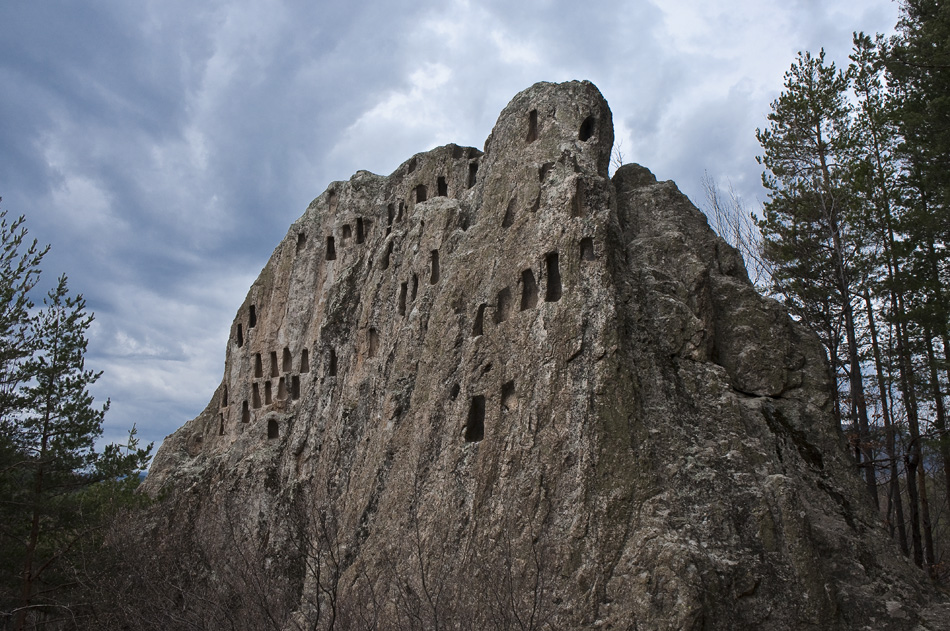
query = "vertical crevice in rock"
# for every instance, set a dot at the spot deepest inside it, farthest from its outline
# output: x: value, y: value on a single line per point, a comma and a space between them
x: 553, y: 290
x: 479, y: 327
x: 532, y: 126
x: 472, y: 173
x: 221, y: 425
x: 509, y: 213
x: 390, y: 215
x: 434, y: 268
x: 372, y: 342
x: 403, y: 289
x: 475, y: 425
x: 415, y: 288
x: 331, y: 363
x: 224, y: 397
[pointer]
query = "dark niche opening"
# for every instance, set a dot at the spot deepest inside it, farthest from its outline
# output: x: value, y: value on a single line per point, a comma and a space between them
x: 268, y: 393
x: 390, y: 215
x: 288, y: 360
x: 301, y: 241
x: 587, y: 129
x: 509, y: 218
x: 532, y: 126
x: 472, y: 173
x: 331, y: 249
x: 272, y: 430
x: 509, y: 398
x: 456, y: 152
x: 421, y: 193
x: 403, y: 289
x: 347, y: 232
x: 221, y: 426
x: 386, y: 256
x: 454, y: 392
x: 373, y: 342
x: 295, y: 387
x: 304, y: 360
x: 587, y: 249
x: 412, y: 166
x: 224, y: 397
x: 529, y: 290
x: 553, y: 291
x: 282, y: 389
x: 240, y: 335
x: 479, y: 327
x: 245, y: 413
x: 360, y: 235
x: 415, y: 288
x: 258, y: 366
x: 577, y: 208
x: 256, y: 395
x: 442, y: 186
x: 331, y: 364
x: 252, y: 317
x: 274, y: 368
x: 475, y: 426
x: 402, y: 207
x: 434, y: 271
x: 503, y: 311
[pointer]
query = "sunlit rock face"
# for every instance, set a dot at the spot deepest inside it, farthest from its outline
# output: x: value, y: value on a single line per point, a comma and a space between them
x: 501, y: 387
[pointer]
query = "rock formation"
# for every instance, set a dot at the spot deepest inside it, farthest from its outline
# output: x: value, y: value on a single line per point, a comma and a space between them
x: 500, y: 389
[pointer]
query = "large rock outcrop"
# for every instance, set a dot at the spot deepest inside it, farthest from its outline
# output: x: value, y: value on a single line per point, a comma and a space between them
x: 500, y: 389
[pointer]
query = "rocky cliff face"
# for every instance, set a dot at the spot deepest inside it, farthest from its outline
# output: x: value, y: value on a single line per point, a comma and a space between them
x: 500, y: 389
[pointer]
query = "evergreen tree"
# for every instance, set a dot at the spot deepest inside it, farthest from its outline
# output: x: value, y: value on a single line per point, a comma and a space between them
x: 51, y: 475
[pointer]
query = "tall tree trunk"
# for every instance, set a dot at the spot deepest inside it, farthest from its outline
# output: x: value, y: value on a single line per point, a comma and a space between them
x: 890, y: 442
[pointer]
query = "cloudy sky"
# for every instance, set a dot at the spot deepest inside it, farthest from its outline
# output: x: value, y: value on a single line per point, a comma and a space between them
x: 163, y: 147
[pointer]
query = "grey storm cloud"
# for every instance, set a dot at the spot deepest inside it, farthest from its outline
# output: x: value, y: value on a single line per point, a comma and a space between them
x: 164, y: 147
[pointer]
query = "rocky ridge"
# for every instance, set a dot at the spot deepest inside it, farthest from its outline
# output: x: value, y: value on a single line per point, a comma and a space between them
x: 501, y: 387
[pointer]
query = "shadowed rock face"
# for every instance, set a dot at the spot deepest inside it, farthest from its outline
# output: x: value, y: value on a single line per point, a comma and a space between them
x: 502, y: 384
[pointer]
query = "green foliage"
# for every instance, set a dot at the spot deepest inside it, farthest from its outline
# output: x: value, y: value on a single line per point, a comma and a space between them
x: 56, y: 489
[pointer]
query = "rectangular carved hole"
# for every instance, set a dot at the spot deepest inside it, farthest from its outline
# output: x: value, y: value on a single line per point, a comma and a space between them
x: 503, y: 309
x: 272, y: 429
x: 331, y: 364
x: 373, y: 342
x: 301, y: 241
x: 509, y: 398
x: 221, y: 425
x: 268, y: 394
x: 282, y: 389
x: 240, y: 335
x: 479, y: 327
x: 360, y: 236
x: 475, y: 425
x: 543, y: 171
x: 434, y: 271
x: 415, y: 288
x: 258, y: 366
x: 274, y: 368
x: 532, y: 126
x: 421, y: 193
x: 472, y: 173
x: 295, y: 387
x: 288, y: 360
x: 304, y: 361
x: 256, y: 395
x: 553, y: 290
x: 402, y: 207
x: 529, y: 290
x: 443, y: 187
x: 403, y: 289
x: 224, y: 397
x: 390, y: 215
x: 587, y: 249
x: 252, y: 317
x: 245, y: 413
x: 331, y: 249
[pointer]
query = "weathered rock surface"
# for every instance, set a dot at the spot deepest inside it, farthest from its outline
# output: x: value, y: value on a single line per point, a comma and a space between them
x: 498, y: 385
